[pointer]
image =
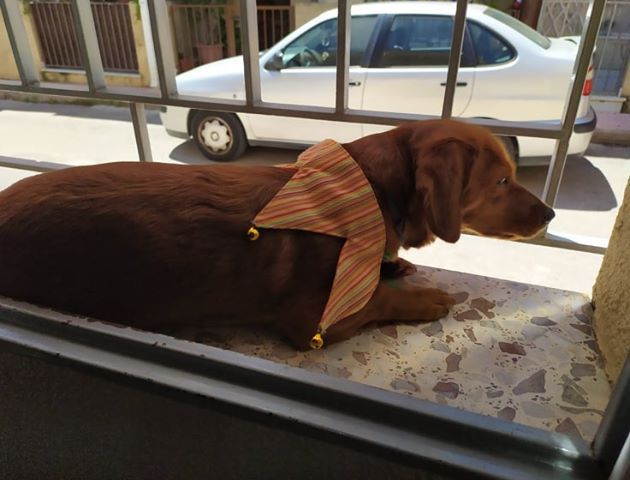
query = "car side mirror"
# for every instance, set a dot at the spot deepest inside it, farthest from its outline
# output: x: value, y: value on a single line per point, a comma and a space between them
x: 275, y: 63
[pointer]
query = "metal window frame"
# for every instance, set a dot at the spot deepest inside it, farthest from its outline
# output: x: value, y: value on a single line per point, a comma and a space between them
x: 289, y: 393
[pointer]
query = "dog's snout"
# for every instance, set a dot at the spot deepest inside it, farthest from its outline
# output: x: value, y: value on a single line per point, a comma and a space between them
x: 549, y: 214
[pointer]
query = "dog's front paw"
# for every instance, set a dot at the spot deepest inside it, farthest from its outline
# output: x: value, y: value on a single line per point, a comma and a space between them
x: 434, y: 303
x: 397, y: 268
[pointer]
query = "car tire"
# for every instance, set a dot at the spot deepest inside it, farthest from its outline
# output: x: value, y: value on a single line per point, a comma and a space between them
x: 220, y: 136
x: 510, y: 147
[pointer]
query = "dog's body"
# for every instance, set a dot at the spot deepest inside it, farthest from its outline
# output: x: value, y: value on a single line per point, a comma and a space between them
x: 153, y: 245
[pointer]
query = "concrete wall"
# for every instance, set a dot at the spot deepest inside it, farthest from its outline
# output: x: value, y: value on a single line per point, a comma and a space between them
x: 611, y: 294
x: 8, y: 70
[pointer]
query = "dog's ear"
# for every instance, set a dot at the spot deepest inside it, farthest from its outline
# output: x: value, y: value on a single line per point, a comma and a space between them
x: 442, y: 173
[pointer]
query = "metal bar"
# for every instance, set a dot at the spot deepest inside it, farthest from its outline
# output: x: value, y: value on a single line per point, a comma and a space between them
x: 615, y: 426
x: 249, y: 43
x: 57, y: 37
x: 19, y: 42
x: 606, y: 38
x: 344, y: 21
x: 218, y: 15
x: 163, y: 43
x: 147, y: 95
x: 123, y: 42
x: 31, y: 165
x: 39, y: 28
x: 119, y: 57
x: 141, y: 131
x: 585, y: 51
x: 195, y: 27
x: 230, y: 33
x: 104, y: 32
x: 550, y: 240
x: 69, y: 38
x: 129, y: 38
x: 265, y: 35
x: 454, y: 58
x: 273, y: 29
x: 88, y: 44
x: 71, y: 48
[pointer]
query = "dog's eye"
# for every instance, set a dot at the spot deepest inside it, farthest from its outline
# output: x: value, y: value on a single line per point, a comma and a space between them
x: 503, y: 181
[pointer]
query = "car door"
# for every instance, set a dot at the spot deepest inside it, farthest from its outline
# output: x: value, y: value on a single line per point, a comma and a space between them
x: 305, y: 74
x: 409, y: 68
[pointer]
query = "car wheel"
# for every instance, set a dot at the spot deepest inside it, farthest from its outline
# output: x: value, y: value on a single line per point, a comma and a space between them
x: 510, y: 147
x: 219, y: 136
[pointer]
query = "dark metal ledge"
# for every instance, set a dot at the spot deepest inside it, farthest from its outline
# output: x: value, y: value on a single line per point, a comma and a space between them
x: 433, y: 437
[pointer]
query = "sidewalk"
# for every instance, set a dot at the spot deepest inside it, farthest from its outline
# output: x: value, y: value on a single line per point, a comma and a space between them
x: 612, y: 129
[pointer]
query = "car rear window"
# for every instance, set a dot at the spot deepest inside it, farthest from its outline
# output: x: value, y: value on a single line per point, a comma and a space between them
x: 490, y: 49
x: 519, y: 26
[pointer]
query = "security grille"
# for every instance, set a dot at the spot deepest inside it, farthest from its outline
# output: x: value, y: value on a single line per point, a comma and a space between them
x: 167, y: 93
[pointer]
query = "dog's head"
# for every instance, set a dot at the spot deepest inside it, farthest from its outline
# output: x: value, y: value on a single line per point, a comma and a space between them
x: 465, y: 181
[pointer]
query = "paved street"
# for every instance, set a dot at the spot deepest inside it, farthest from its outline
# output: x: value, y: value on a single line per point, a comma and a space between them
x: 51, y: 135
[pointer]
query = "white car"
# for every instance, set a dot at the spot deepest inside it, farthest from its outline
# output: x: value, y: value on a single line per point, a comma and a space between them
x: 398, y: 56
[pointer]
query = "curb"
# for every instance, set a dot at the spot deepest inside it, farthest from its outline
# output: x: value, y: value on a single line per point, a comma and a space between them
x: 611, y: 137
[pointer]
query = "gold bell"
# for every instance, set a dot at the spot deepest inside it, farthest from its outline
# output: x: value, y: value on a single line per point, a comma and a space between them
x: 317, y: 341
x: 253, y: 234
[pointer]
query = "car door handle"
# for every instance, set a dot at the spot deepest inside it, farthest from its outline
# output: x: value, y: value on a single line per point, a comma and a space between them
x: 458, y: 84
x: 354, y: 83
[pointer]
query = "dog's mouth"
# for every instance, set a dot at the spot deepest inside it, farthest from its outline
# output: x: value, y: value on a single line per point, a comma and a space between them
x: 504, y: 235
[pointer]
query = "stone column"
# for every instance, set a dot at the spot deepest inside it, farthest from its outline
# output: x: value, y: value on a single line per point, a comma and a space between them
x: 611, y: 295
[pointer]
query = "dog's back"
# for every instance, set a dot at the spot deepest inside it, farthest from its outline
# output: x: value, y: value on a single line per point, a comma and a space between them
x: 152, y: 244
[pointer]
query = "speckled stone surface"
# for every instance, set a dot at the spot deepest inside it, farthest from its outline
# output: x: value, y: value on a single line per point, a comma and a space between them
x: 518, y: 352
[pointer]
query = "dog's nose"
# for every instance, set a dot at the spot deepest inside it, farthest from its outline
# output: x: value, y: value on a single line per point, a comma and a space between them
x: 549, y: 214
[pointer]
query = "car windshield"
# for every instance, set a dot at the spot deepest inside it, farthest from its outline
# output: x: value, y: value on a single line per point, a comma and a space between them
x: 520, y: 27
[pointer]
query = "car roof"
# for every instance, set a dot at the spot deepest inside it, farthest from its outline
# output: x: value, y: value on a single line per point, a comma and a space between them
x: 434, y: 8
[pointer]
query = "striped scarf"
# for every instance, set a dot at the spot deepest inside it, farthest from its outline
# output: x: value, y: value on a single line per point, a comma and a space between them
x: 329, y: 194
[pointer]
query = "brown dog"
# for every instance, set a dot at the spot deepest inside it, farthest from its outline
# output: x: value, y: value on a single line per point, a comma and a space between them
x: 155, y: 245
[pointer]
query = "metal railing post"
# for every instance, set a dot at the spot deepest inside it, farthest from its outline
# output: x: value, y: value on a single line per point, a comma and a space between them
x: 585, y: 51
x: 343, y: 55
x: 454, y: 58
x: 249, y: 43
x: 19, y: 42
x: 141, y: 131
x: 83, y: 20
x: 163, y: 44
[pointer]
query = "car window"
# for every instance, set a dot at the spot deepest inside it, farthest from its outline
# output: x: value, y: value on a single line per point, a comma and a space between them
x: 318, y: 46
x: 519, y: 26
x: 489, y: 48
x: 417, y: 40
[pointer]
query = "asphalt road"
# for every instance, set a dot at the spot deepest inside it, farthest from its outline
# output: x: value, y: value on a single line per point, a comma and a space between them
x: 56, y: 135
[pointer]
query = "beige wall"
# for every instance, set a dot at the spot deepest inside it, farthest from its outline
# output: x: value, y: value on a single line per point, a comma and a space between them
x: 611, y: 294
x: 308, y: 11
x: 8, y: 70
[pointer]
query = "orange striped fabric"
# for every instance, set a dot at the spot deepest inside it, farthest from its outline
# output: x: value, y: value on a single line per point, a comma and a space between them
x: 329, y: 194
